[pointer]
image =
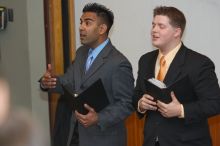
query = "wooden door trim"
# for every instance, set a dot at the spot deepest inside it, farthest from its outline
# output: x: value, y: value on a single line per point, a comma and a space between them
x: 54, y: 43
x: 72, y: 37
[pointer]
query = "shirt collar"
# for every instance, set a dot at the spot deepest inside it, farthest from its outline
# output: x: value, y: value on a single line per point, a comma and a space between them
x: 170, y: 56
x: 95, y: 52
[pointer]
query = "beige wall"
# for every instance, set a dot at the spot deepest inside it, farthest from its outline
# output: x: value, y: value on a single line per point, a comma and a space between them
x: 22, y: 62
x: 133, y: 19
x: 14, y: 63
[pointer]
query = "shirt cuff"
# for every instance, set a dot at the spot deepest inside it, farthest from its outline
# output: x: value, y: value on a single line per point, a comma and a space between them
x: 42, y: 87
x: 182, y: 115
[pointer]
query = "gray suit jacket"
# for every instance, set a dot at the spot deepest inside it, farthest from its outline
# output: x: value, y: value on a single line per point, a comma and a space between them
x: 116, y: 73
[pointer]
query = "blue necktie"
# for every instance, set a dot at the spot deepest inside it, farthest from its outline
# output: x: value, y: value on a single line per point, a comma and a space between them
x: 89, y: 60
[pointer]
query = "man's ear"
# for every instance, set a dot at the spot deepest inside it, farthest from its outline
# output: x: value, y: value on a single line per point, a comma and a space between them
x: 102, y: 28
x: 178, y: 32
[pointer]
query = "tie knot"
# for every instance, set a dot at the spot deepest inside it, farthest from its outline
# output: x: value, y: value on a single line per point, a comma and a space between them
x: 90, y: 52
x: 162, y: 71
x: 162, y: 61
x: 89, y: 60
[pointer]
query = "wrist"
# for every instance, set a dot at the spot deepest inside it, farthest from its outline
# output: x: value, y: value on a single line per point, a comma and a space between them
x: 181, y: 115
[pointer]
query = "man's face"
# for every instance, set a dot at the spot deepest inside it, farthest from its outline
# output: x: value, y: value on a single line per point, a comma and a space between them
x: 4, y: 101
x: 163, y: 34
x: 89, y: 29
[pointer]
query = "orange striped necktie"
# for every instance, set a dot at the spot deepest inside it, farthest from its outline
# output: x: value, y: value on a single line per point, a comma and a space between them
x: 162, y: 71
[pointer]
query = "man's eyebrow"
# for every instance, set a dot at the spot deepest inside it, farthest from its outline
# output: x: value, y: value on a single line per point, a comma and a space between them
x: 87, y: 19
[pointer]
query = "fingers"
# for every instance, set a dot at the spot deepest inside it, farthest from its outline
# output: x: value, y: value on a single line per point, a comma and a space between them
x: 48, y: 81
x: 146, y: 96
x: 172, y: 109
x: 147, y: 103
x: 163, y: 113
x: 91, y: 118
x: 161, y: 105
x: 81, y: 118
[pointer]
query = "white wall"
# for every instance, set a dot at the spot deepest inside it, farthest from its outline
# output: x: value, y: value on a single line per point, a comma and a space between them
x: 131, y: 30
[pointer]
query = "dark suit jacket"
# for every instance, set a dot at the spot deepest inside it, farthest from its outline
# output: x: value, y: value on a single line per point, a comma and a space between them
x: 116, y: 73
x: 62, y: 123
x: 204, y: 102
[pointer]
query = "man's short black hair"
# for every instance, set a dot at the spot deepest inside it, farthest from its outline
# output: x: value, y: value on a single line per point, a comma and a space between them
x: 101, y: 11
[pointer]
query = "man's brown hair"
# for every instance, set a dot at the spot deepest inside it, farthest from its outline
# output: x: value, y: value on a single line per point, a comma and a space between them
x: 177, y: 18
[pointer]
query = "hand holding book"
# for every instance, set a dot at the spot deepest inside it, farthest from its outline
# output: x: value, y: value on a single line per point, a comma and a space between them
x: 172, y: 109
x: 182, y: 88
x: 95, y: 96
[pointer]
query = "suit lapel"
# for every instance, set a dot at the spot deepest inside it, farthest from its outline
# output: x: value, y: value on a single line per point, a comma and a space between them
x: 175, y: 70
x: 150, y: 65
x: 82, y: 62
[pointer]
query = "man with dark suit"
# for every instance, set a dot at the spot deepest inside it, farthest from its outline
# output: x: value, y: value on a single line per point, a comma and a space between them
x: 97, y: 59
x: 176, y: 123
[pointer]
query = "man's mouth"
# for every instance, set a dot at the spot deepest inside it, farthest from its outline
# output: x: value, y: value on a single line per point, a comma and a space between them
x: 154, y: 37
x: 82, y: 36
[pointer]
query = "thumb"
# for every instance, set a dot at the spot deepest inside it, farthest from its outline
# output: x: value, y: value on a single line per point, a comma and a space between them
x: 89, y: 108
x: 49, y: 68
x: 173, y: 96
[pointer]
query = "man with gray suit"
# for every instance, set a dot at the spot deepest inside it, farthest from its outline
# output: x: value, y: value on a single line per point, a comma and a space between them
x: 97, y: 59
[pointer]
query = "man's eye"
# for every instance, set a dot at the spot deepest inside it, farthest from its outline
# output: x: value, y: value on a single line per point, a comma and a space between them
x: 162, y: 26
x: 88, y: 22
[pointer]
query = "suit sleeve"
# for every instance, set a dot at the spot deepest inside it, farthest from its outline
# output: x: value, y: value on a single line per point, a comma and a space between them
x: 207, y: 91
x: 138, y: 88
x: 122, y: 88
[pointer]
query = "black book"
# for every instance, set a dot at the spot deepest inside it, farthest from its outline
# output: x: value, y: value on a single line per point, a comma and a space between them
x: 182, y: 89
x: 95, y: 96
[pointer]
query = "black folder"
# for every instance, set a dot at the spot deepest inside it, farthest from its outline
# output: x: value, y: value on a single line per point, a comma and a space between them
x: 182, y: 89
x: 95, y: 96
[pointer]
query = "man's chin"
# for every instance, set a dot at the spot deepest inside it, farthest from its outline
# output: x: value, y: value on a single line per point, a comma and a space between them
x: 155, y: 44
x: 82, y: 42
